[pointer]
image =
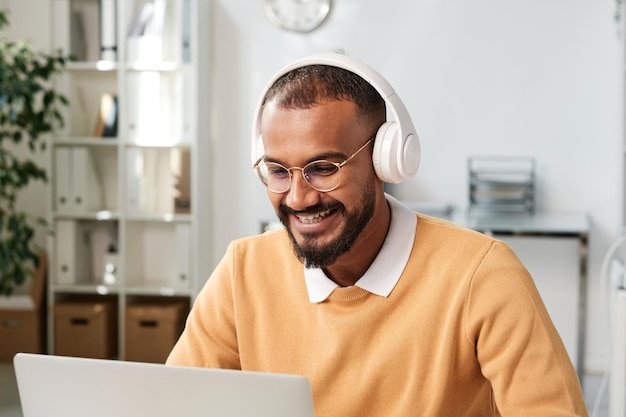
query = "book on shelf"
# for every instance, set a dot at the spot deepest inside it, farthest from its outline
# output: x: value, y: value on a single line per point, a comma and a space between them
x: 107, y: 117
x: 78, y: 48
x: 76, y: 29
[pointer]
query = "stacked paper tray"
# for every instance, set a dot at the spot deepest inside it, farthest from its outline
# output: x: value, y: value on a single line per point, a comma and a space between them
x: 501, y: 184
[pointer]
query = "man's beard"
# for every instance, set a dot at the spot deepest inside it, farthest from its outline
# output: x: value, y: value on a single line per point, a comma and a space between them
x: 320, y: 257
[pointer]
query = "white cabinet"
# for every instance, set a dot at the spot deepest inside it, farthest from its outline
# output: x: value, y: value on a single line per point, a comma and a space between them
x: 554, y: 263
x: 126, y: 207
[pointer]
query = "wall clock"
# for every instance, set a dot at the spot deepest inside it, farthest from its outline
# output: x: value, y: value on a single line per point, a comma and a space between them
x: 297, y: 15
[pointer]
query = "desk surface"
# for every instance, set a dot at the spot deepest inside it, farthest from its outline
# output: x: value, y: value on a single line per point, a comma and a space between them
x: 524, y: 223
x: 538, y: 223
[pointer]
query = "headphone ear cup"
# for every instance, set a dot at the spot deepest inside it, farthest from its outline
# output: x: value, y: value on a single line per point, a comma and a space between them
x: 384, y: 155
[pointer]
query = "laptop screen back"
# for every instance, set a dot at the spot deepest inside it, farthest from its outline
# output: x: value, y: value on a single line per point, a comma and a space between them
x: 57, y: 386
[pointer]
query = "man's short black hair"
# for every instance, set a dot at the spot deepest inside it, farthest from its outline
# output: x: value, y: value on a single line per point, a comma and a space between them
x: 307, y: 86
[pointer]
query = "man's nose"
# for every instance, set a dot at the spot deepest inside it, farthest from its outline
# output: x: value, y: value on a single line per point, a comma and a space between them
x: 301, y: 195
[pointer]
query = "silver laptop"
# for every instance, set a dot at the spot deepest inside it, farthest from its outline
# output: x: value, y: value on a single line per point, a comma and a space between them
x: 58, y: 386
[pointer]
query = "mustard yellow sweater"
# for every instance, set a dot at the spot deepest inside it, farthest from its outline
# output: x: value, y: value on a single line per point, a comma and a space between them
x: 463, y: 333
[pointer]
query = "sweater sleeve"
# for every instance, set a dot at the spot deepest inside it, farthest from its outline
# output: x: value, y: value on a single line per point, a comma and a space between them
x: 517, y: 345
x: 209, y: 338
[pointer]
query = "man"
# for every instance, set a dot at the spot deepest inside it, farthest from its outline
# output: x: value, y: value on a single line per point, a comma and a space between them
x: 386, y: 312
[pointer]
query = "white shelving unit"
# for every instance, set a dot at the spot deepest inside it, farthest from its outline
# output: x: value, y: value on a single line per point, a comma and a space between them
x: 139, y: 189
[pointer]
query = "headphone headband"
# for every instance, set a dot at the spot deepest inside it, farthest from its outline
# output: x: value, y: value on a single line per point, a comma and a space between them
x: 400, y: 144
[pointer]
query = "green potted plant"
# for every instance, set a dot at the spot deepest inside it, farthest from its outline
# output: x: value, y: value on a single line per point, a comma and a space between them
x: 29, y: 109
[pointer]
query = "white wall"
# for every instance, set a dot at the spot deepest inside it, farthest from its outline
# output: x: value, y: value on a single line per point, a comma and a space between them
x: 481, y: 77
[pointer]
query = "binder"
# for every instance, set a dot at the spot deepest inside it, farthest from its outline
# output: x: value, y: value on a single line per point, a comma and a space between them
x: 157, y: 181
x: 189, y: 108
x: 72, y: 258
x: 108, y: 31
x: 77, y: 184
x: 86, y: 191
x: 63, y: 179
x: 134, y: 174
x: 158, y: 269
x: 186, y: 32
x: 183, y: 254
x: 78, y: 48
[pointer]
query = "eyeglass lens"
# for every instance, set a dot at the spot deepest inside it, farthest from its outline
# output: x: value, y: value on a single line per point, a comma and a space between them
x: 321, y: 175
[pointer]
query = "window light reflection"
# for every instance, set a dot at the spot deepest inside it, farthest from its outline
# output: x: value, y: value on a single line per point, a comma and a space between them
x: 104, y: 215
x: 105, y: 65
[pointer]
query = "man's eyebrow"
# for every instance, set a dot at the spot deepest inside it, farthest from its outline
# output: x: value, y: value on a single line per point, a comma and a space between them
x: 323, y: 156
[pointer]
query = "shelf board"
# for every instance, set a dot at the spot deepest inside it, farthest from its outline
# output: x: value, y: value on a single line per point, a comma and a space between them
x: 111, y: 66
x: 153, y: 289
x: 114, y: 215
x: 159, y: 66
x: 150, y: 142
x: 84, y: 288
x: 104, y: 66
x: 85, y: 141
x: 158, y: 290
x: 158, y: 217
x: 90, y: 215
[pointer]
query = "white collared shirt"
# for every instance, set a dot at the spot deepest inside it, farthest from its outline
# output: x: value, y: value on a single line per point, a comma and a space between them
x: 384, y: 273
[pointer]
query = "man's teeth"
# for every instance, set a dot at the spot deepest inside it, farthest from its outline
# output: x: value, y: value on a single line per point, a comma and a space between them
x: 312, y: 218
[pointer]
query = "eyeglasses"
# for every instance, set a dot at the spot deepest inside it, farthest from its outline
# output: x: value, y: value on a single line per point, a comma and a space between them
x: 322, y: 175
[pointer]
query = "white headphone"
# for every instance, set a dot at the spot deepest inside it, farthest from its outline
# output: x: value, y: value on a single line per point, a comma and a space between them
x: 396, y: 153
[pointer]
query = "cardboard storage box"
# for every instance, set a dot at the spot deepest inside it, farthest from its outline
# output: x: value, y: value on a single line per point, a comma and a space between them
x: 22, y: 318
x: 85, y: 329
x: 152, y: 330
x: 20, y: 331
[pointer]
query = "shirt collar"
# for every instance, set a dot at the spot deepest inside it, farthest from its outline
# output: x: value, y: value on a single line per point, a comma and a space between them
x: 384, y: 273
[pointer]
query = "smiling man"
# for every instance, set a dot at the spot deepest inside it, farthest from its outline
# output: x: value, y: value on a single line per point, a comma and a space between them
x: 386, y: 312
